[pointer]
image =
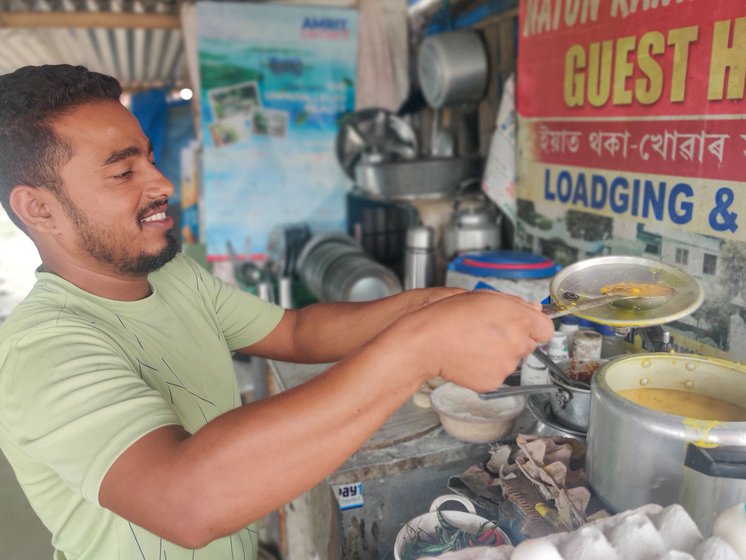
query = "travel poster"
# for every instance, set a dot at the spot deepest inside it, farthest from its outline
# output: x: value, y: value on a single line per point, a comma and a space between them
x: 275, y: 80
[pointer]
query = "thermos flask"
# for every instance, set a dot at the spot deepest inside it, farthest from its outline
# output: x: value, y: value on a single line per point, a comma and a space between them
x: 419, y: 258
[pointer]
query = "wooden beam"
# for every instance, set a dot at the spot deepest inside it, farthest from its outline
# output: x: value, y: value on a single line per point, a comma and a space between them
x: 107, y: 20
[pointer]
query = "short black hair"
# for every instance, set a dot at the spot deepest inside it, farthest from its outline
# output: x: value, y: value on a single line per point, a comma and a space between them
x: 30, y: 99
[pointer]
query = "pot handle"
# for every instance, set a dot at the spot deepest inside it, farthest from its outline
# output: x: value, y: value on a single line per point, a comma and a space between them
x: 723, y: 461
x: 509, y: 391
x: 440, y: 500
x: 563, y: 397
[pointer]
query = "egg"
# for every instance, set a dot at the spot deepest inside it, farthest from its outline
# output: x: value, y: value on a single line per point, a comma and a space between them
x: 729, y: 526
x: 536, y: 549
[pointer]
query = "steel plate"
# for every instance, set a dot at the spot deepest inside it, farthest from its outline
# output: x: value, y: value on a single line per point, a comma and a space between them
x: 587, y: 278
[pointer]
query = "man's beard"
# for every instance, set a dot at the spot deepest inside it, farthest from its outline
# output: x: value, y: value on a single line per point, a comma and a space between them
x: 101, y: 246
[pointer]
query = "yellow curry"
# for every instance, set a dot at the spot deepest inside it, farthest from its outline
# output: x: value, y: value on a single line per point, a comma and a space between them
x: 686, y: 403
x: 641, y: 289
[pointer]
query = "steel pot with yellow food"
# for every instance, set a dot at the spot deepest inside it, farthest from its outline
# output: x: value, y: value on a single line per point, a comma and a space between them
x: 645, y: 410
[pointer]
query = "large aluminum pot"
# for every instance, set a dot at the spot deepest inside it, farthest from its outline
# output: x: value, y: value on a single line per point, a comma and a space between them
x: 635, y: 454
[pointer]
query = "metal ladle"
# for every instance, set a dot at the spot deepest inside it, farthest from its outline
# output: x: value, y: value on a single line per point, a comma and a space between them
x: 571, y: 302
x: 507, y: 391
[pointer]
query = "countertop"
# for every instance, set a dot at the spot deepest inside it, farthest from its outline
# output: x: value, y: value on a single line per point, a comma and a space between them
x: 412, y: 438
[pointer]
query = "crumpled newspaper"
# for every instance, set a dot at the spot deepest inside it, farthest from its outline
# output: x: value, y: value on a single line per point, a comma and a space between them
x: 547, y: 463
x: 543, y: 477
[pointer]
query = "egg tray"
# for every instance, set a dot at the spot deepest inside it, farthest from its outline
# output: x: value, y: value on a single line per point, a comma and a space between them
x: 650, y: 532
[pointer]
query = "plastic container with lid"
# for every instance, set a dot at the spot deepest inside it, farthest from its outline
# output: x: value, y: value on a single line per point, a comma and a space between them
x: 514, y: 272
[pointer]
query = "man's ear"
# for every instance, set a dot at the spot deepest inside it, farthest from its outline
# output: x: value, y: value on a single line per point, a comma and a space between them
x: 34, y: 206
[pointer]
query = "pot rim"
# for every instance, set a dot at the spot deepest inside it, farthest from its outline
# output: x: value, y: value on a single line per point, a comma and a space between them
x: 602, y: 389
x: 572, y: 388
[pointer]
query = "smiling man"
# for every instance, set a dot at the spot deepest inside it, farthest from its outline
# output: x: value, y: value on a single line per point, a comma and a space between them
x: 113, y: 198
x: 119, y: 410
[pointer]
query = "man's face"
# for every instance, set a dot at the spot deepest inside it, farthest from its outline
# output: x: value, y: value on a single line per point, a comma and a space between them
x: 114, y: 197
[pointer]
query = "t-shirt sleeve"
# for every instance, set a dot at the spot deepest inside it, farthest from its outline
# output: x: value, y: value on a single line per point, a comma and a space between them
x: 243, y: 317
x: 75, y: 404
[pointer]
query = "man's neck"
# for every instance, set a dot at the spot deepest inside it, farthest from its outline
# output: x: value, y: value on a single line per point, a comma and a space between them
x: 103, y: 284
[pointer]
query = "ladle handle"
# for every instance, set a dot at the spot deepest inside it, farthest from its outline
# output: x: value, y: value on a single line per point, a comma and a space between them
x: 509, y: 391
x: 555, y: 368
x: 559, y: 308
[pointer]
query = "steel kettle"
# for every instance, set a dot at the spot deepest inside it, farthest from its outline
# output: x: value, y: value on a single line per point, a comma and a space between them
x: 474, y: 226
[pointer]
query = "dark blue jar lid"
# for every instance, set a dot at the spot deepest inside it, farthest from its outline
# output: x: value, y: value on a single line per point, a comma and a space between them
x: 504, y: 264
x: 605, y: 330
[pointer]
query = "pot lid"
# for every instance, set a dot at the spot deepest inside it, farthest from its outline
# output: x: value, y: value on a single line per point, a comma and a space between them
x: 592, y: 278
x: 504, y: 264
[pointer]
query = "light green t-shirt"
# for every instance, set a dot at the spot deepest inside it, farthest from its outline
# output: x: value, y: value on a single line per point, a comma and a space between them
x: 82, y: 378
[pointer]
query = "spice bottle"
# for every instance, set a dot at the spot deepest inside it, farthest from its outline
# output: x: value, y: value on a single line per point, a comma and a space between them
x: 586, y: 345
x: 557, y: 348
x: 569, y: 324
x: 534, y: 372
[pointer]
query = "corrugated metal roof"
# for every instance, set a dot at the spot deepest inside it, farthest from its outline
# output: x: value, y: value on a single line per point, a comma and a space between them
x: 140, y: 42
x: 137, y: 41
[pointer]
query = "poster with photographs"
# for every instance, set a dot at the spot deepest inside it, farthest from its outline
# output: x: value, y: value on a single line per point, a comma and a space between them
x: 232, y: 107
x: 632, y: 141
x: 275, y: 80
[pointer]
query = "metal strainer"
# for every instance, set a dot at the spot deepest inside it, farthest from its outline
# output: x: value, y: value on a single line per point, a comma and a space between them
x: 594, y: 277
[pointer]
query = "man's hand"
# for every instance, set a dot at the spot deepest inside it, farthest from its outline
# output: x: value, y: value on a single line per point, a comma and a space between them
x: 475, y: 339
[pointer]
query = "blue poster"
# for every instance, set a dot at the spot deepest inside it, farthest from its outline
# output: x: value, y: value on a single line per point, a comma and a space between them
x: 275, y: 81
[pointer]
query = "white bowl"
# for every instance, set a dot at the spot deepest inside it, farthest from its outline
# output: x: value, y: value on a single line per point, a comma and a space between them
x: 467, y: 417
x: 466, y: 521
